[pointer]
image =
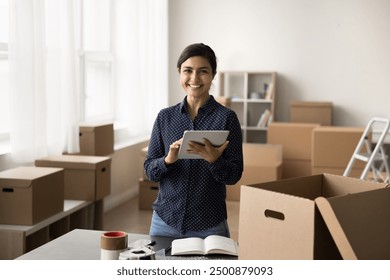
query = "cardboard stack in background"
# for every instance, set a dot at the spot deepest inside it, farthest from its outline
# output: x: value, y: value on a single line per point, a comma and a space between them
x: 225, y: 101
x: 296, y: 141
x: 282, y: 219
x: 311, y: 112
x: 148, y: 190
x: 30, y: 194
x: 333, y: 147
x: 85, y: 178
x: 97, y: 139
x: 262, y: 163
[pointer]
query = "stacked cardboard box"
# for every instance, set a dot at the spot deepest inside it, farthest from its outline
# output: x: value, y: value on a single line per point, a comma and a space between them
x: 148, y: 190
x: 262, y: 163
x: 333, y: 147
x: 85, y: 177
x: 30, y: 194
x: 96, y: 139
x: 296, y: 141
x: 311, y: 112
x: 323, y: 216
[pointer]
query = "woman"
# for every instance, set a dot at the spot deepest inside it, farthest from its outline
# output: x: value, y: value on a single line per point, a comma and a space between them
x: 192, y: 196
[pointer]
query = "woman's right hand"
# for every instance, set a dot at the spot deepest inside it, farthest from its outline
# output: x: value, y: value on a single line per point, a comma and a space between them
x: 172, y: 155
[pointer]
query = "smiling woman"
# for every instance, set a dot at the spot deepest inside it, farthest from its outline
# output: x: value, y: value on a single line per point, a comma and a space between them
x: 191, y: 199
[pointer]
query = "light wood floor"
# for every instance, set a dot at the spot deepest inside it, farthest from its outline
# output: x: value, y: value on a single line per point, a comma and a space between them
x: 127, y: 217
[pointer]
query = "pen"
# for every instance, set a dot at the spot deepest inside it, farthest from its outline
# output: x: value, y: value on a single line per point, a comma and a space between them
x: 168, y: 249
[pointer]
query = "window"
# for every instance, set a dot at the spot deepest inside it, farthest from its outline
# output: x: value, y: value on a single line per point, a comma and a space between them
x: 119, y: 47
x: 4, y: 70
x: 96, y: 61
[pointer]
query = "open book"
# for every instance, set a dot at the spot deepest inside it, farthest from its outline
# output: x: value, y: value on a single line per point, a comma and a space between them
x: 213, y: 244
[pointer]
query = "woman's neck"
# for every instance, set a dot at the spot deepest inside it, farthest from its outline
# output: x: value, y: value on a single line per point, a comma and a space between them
x: 193, y: 105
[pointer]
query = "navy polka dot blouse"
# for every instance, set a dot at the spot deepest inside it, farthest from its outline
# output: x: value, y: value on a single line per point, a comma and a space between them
x: 192, y: 195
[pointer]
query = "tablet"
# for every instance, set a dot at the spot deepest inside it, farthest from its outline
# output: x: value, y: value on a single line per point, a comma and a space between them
x: 216, y: 137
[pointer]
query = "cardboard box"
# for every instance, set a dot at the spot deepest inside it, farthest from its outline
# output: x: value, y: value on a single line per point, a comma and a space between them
x: 311, y: 112
x: 86, y: 177
x: 262, y: 163
x: 283, y: 219
x: 296, y: 168
x: 333, y: 148
x: 96, y: 139
x: 144, y: 152
x: 30, y: 194
x: 296, y: 140
x: 225, y: 101
x: 148, y: 191
x: 358, y: 224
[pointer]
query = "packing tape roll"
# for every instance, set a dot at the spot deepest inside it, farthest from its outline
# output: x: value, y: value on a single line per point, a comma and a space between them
x: 114, y: 240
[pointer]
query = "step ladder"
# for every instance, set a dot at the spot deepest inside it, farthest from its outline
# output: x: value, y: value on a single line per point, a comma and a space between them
x: 375, y: 159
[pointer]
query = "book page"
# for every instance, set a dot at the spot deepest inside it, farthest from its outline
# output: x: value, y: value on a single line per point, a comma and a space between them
x: 215, y: 244
x: 186, y: 246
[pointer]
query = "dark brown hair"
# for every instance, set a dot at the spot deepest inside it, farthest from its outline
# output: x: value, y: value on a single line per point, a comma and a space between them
x: 199, y: 49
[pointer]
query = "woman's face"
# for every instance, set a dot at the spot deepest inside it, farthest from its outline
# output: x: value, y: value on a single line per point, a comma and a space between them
x: 196, y: 76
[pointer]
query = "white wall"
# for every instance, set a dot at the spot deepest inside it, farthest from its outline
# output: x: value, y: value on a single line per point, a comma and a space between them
x: 323, y: 50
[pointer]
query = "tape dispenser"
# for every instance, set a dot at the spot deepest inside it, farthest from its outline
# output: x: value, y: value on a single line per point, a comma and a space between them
x: 140, y: 253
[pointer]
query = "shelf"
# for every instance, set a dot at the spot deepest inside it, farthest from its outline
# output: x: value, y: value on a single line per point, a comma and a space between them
x: 240, y: 87
x: 16, y: 240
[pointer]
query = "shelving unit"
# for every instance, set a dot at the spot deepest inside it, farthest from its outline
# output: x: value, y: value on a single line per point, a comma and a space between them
x: 252, y: 94
x: 16, y: 240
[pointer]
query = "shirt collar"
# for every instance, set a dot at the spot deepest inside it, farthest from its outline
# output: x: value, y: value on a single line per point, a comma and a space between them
x: 208, y: 106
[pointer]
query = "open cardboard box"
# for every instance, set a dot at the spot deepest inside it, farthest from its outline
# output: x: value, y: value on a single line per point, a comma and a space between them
x: 281, y: 219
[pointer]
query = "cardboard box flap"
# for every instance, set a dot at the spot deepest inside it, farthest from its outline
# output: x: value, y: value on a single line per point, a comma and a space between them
x: 74, y: 161
x: 359, y: 223
x: 23, y: 177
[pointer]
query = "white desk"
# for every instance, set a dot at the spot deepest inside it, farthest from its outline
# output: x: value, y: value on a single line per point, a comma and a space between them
x: 81, y: 244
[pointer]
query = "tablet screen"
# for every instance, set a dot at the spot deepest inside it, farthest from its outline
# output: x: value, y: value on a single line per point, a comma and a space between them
x: 216, y: 137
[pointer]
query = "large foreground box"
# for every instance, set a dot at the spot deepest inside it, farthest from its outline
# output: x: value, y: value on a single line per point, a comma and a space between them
x: 262, y: 163
x: 280, y: 219
x: 30, y: 194
x: 86, y: 177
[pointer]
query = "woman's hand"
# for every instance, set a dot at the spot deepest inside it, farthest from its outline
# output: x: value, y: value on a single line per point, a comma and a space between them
x: 172, y: 156
x: 207, y: 151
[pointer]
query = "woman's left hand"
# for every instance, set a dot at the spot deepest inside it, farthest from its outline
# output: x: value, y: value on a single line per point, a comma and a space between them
x: 207, y: 151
